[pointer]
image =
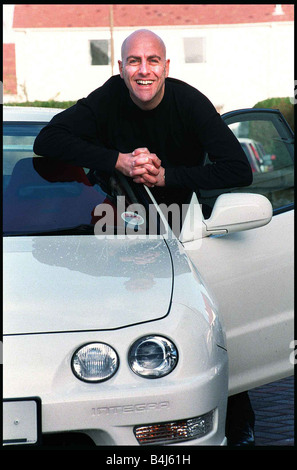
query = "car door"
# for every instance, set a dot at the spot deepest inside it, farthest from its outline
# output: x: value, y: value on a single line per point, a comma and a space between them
x: 251, y: 272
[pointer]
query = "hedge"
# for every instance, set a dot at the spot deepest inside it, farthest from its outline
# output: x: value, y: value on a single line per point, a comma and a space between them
x: 283, y: 104
x: 44, y: 104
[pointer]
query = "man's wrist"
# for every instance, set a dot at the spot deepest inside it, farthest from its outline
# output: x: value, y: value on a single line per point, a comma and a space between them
x: 122, y: 163
x: 118, y: 162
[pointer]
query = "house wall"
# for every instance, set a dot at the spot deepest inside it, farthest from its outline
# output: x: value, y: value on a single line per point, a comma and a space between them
x: 243, y: 63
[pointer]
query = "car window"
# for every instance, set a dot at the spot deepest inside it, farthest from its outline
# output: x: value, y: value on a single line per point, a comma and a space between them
x: 43, y: 195
x: 268, y: 144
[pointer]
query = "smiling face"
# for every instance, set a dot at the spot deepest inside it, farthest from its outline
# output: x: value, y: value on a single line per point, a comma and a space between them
x: 144, y: 68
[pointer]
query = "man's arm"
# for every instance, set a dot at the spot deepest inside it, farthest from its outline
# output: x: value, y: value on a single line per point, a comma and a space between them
x: 229, y: 165
x: 71, y: 136
x: 205, y: 131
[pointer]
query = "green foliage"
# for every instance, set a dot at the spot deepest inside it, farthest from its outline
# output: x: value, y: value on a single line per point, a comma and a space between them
x: 44, y: 104
x: 283, y: 104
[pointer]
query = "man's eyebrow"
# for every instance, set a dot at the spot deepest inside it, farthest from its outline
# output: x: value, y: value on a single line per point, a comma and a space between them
x: 154, y: 56
x: 132, y: 57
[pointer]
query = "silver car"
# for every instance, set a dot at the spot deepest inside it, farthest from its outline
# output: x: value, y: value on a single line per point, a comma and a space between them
x: 120, y: 328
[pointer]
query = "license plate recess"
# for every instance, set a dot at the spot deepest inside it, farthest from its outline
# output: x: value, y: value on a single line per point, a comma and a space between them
x: 22, y: 421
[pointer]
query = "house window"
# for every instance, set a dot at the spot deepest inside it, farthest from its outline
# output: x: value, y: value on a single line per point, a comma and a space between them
x: 194, y: 49
x: 99, y: 50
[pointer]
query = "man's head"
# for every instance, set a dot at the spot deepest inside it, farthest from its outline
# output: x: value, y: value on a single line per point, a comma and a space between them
x: 144, y: 68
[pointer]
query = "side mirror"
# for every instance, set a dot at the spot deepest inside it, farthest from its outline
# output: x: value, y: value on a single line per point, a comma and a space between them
x: 232, y: 212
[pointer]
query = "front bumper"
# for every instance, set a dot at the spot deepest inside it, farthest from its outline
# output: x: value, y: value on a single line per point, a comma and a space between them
x: 109, y: 412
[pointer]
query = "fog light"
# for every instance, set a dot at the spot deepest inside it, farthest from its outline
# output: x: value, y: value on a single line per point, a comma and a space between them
x: 95, y: 362
x: 175, y: 431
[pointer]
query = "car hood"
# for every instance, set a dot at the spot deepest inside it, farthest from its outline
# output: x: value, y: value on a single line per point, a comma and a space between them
x: 76, y: 283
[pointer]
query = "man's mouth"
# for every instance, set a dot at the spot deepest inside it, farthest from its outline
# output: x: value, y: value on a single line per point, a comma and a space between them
x: 144, y: 82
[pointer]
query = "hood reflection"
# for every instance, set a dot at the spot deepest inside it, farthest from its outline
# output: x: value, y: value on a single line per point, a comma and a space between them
x: 139, y: 262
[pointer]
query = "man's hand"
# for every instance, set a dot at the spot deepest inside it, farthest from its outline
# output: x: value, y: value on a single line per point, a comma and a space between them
x: 143, y: 166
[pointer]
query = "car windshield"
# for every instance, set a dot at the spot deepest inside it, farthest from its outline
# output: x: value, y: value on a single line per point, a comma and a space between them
x: 46, y: 196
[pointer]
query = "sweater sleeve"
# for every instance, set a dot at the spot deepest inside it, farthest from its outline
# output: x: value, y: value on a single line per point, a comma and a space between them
x: 72, y: 136
x: 228, y: 165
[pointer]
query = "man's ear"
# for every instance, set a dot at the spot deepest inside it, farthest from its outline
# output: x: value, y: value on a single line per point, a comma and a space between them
x: 167, y: 67
x: 120, y: 67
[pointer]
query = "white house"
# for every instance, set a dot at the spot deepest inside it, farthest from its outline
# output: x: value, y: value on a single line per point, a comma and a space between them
x: 235, y: 54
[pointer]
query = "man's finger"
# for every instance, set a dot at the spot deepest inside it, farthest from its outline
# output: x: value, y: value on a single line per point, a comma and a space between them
x: 147, y: 178
x: 140, y: 170
x: 145, y: 168
x: 140, y: 150
x: 140, y: 160
x: 155, y: 160
x: 151, y: 169
x: 141, y: 180
x: 144, y: 152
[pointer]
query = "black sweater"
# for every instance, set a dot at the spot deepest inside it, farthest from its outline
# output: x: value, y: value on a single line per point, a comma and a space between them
x: 179, y: 131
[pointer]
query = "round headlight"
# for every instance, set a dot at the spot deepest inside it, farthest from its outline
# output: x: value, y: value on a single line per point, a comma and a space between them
x: 95, y: 362
x: 152, y: 357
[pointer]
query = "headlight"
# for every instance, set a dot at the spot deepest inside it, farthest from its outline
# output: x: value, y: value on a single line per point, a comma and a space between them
x: 152, y: 357
x: 95, y: 362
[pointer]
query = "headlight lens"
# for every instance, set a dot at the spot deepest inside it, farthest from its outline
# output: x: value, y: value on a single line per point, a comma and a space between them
x: 153, y: 357
x: 95, y: 362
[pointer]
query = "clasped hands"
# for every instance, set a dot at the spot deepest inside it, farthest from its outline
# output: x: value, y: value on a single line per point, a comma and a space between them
x: 143, y: 166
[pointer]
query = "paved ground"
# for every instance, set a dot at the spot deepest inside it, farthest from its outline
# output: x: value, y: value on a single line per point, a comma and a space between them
x: 273, y: 405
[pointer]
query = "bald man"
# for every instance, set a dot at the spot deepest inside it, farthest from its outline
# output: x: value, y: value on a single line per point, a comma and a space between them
x: 150, y: 127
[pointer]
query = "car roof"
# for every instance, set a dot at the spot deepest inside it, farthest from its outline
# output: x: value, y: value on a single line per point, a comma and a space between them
x: 30, y: 114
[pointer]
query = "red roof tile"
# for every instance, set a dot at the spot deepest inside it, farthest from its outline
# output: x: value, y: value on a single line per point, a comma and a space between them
x: 60, y: 16
x: 189, y: 14
x: 9, y: 70
x: 137, y: 15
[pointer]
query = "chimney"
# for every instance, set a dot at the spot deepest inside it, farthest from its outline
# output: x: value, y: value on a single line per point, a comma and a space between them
x: 278, y: 10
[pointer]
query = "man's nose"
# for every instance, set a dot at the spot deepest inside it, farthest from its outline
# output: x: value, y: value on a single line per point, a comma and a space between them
x: 144, y: 68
